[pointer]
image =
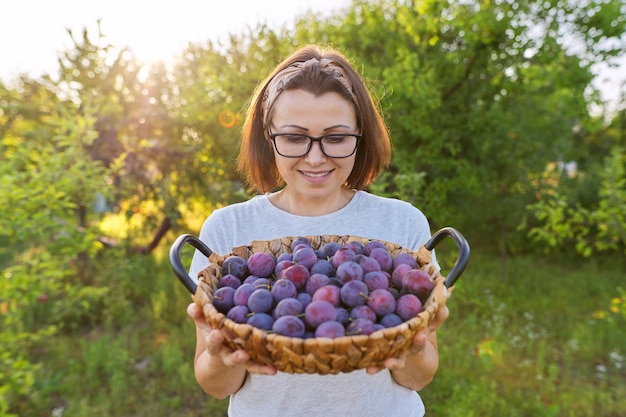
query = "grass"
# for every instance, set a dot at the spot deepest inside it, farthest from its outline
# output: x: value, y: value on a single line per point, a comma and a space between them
x: 527, y: 344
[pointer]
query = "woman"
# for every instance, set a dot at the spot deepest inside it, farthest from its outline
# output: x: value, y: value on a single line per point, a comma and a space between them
x: 312, y: 141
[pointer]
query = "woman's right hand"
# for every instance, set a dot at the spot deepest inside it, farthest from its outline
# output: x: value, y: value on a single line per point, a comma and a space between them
x: 213, y: 341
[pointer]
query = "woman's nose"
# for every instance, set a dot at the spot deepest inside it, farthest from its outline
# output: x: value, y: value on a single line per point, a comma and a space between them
x: 315, y: 154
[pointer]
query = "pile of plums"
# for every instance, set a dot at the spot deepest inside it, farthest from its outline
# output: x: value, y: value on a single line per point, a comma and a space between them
x: 333, y: 291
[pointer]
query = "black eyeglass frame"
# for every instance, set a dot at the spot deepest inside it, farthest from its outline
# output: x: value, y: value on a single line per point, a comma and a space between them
x: 312, y: 139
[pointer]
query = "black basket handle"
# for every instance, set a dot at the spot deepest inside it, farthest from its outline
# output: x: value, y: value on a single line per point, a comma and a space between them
x: 177, y: 264
x: 464, y: 251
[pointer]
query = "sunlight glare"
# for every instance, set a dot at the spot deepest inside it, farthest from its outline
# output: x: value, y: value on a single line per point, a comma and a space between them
x: 227, y: 119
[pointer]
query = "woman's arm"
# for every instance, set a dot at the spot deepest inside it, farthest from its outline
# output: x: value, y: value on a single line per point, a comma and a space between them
x: 420, y: 366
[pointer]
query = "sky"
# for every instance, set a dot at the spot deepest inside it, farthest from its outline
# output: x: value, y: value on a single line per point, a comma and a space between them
x: 33, y: 32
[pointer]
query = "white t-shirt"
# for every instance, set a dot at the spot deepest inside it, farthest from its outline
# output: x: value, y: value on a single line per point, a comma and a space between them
x: 346, y: 394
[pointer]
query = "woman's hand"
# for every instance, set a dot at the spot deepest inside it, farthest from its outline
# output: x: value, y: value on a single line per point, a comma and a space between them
x: 421, y: 359
x: 213, y: 345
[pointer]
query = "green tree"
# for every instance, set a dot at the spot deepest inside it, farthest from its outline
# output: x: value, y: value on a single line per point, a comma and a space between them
x: 480, y: 96
x: 135, y: 136
x: 586, y: 206
x: 214, y: 82
x: 46, y: 176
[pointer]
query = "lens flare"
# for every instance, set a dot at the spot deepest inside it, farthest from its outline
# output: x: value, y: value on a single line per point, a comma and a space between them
x: 227, y: 119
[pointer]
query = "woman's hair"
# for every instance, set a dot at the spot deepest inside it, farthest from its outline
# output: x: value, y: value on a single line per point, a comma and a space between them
x: 256, y: 157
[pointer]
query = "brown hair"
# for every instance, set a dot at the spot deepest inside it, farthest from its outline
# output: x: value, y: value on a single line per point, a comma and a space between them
x: 256, y: 157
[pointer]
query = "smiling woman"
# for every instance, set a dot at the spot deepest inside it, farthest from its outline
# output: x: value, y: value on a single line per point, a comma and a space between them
x: 312, y: 141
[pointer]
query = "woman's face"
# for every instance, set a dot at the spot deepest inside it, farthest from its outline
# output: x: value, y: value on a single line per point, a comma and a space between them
x: 314, y: 175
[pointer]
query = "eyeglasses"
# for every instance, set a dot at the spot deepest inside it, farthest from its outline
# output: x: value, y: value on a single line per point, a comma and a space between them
x: 296, y: 145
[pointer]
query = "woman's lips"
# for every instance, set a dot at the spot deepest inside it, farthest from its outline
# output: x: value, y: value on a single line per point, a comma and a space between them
x: 316, y: 177
x: 315, y: 174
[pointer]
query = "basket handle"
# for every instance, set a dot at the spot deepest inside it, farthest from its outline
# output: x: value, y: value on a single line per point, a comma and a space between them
x: 464, y: 251
x: 177, y: 264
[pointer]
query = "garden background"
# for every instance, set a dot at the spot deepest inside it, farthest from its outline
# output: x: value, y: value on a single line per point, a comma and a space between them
x: 498, y: 131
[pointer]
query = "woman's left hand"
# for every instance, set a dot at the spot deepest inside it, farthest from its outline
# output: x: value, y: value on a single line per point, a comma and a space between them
x: 420, y: 342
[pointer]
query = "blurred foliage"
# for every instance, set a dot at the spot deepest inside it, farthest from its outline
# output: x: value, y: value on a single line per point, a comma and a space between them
x: 479, y: 96
x: 488, y: 107
x: 600, y: 227
x: 48, y: 179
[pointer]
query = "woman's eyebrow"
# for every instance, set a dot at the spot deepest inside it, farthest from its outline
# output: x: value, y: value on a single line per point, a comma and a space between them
x: 336, y: 126
x: 306, y: 129
x: 294, y: 126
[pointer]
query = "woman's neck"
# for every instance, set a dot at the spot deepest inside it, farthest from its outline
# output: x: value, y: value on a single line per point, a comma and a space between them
x: 298, y: 204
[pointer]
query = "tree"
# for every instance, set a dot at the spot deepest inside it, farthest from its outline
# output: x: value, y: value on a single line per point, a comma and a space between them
x: 480, y: 95
x: 214, y: 82
x: 137, y: 137
x: 46, y: 176
x: 585, y: 207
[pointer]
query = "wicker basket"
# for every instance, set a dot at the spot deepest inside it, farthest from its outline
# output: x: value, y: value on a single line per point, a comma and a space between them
x: 317, y: 355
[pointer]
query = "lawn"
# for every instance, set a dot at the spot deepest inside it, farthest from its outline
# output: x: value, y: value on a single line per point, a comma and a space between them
x: 546, y: 338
